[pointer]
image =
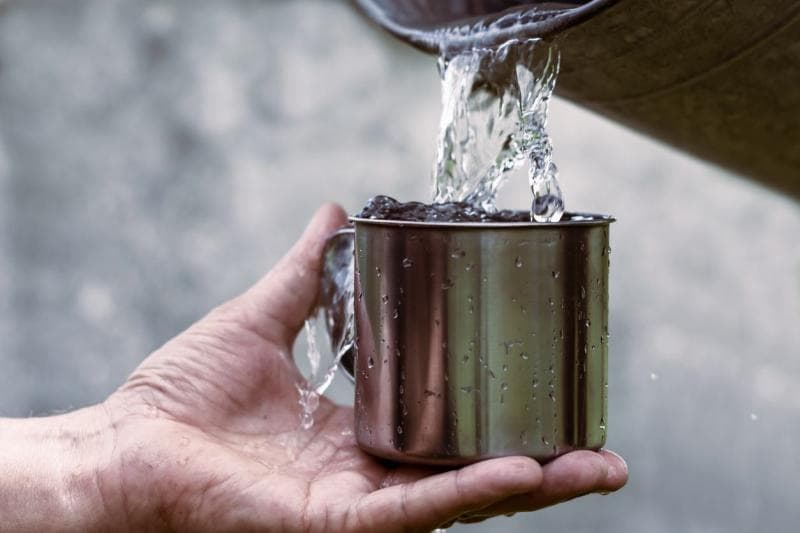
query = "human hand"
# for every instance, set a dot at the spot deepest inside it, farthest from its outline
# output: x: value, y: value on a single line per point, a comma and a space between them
x: 205, y: 436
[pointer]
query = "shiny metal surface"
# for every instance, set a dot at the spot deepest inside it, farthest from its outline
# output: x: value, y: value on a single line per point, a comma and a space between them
x: 445, y: 25
x: 477, y: 341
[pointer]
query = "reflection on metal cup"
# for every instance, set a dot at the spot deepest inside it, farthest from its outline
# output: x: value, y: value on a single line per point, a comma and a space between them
x: 480, y: 340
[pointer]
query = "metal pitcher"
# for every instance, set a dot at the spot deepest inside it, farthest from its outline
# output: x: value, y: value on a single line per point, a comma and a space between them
x: 718, y: 79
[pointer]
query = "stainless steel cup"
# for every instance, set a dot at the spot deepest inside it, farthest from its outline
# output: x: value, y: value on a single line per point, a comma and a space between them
x: 479, y: 340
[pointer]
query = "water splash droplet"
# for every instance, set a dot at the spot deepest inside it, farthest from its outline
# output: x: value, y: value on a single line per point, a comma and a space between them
x: 548, y: 200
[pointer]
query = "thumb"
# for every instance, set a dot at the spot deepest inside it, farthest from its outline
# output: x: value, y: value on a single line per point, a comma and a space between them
x: 277, y: 305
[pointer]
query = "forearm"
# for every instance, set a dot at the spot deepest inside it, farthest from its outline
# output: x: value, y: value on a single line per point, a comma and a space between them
x: 49, y: 471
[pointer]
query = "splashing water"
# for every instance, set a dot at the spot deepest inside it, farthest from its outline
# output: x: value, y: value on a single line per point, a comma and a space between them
x: 335, y: 310
x: 494, y: 117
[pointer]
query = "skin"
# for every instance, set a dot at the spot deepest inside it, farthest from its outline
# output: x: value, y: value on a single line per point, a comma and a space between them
x: 205, y: 436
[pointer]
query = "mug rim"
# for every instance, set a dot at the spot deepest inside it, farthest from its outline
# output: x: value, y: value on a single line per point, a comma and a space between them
x: 576, y: 219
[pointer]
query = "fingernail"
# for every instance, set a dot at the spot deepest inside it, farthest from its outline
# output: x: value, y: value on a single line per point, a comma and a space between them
x: 612, y: 469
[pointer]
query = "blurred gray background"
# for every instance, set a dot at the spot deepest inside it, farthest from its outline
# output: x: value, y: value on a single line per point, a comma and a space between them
x: 157, y: 157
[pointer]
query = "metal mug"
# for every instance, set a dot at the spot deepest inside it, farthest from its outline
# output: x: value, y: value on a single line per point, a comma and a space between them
x: 474, y: 340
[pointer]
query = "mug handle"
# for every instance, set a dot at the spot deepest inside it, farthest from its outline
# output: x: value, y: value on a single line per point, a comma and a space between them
x: 336, y: 300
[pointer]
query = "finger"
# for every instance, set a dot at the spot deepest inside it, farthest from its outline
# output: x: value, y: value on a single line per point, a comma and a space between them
x: 431, y: 501
x: 277, y: 305
x: 567, y: 477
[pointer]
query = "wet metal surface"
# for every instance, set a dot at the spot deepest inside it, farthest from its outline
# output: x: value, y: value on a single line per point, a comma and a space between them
x: 482, y: 340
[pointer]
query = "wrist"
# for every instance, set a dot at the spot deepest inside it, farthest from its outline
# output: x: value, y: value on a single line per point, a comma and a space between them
x: 49, y: 470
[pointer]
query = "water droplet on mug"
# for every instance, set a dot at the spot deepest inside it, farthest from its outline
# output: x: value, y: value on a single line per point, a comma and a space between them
x: 458, y: 254
x: 378, y: 271
x: 556, y: 274
x: 370, y: 362
x: 407, y: 263
x: 518, y: 262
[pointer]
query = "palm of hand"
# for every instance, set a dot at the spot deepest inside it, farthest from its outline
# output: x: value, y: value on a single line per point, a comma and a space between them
x: 207, y: 437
